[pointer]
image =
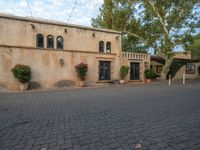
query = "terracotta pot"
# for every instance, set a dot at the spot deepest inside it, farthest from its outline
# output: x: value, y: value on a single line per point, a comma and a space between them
x: 148, y: 80
x: 24, y: 86
x: 121, y: 81
x: 81, y: 83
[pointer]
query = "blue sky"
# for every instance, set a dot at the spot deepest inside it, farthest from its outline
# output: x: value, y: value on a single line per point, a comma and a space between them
x: 54, y: 9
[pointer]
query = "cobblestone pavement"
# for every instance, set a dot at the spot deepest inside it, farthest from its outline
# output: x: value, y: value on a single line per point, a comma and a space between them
x: 150, y: 117
x: 2, y: 89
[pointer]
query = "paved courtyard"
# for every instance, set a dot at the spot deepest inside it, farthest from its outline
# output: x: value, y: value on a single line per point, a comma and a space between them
x: 149, y: 117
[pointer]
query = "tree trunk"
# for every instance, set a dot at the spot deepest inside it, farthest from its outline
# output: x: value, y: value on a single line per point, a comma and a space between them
x: 165, y: 68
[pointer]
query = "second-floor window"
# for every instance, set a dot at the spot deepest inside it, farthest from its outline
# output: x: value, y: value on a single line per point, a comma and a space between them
x: 59, y: 42
x: 39, y: 41
x: 50, y: 41
x: 108, y: 47
x: 101, y: 46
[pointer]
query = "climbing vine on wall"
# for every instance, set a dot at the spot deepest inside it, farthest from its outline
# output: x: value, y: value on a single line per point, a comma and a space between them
x: 177, y: 64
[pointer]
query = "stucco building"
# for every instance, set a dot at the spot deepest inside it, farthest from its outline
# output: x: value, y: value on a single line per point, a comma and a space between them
x: 190, y: 67
x: 52, y: 49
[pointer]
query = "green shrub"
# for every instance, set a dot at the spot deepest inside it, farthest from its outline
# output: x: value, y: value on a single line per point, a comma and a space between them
x: 22, y: 73
x: 81, y: 70
x: 124, y: 71
x: 150, y: 74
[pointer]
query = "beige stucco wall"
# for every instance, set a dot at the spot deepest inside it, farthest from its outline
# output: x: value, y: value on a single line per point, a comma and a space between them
x: 144, y: 64
x: 154, y: 64
x: 18, y: 45
x: 81, y: 44
x: 179, y: 74
x: 18, y: 32
x: 46, y: 68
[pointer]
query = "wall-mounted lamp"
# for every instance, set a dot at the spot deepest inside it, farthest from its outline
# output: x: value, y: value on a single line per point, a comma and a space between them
x: 61, y: 62
x: 117, y: 37
x: 10, y: 49
x: 93, y: 34
x: 65, y: 30
x: 33, y: 26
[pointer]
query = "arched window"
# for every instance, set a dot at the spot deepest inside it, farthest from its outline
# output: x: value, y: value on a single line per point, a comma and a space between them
x: 59, y: 42
x: 50, y: 41
x: 108, y: 47
x: 101, y: 46
x: 39, y: 41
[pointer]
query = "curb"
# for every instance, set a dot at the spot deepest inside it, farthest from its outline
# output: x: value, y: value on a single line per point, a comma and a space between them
x: 62, y: 89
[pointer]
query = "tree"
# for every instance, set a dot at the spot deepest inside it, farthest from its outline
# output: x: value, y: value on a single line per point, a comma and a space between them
x: 116, y: 15
x: 158, y: 25
x: 194, y: 48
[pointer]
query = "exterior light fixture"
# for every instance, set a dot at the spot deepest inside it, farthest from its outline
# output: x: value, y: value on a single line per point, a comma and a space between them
x: 33, y: 26
x: 62, y: 62
x: 65, y: 30
x: 117, y: 37
x: 93, y: 34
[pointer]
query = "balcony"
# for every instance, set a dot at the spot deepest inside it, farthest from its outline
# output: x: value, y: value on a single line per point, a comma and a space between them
x: 135, y: 56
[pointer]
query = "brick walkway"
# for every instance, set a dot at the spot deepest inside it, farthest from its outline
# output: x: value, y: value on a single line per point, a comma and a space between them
x: 151, y: 117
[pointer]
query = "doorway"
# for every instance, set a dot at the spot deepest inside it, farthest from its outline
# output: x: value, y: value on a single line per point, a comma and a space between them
x: 135, y: 71
x: 104, y: 70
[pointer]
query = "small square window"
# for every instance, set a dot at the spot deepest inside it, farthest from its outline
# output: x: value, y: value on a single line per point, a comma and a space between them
x: 190, y: 68
x: 158, y: 69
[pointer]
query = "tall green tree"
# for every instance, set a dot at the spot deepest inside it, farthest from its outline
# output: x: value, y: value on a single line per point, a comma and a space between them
x: 158, y: 25
x: 114, y: 14
x: 194, y: 48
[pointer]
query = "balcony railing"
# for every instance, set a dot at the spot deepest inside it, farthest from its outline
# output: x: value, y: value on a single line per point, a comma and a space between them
x: 139, y: 56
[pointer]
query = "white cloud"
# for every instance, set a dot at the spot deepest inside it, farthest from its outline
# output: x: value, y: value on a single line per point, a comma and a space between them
x: 54, y: 9
x: 23, y: 3
x: 57, y: 2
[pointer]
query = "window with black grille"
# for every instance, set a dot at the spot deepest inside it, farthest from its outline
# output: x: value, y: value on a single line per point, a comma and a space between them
x: 50, y: 41
x: 104, y: 70
x: 59, y: 42
x: 39, y: 41
x: 101, y: 46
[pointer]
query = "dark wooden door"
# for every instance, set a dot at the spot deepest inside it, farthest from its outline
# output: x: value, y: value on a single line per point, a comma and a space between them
x: 135, y: 71
x: 104, y: 70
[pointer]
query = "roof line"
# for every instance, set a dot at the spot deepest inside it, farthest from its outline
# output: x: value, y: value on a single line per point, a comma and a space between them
x: 54, y: 22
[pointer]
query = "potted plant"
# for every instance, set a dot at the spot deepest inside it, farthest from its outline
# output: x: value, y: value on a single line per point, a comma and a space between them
x: 149, y: 75
x: 81, y: 70
x: 23, y: 74
x: 123, y: 73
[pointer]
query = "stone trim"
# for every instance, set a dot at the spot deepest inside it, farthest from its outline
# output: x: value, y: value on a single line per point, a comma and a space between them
x: 104, y: 81
x: 58, y: 50
x: 138, y: 60
x: 105, y: 58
